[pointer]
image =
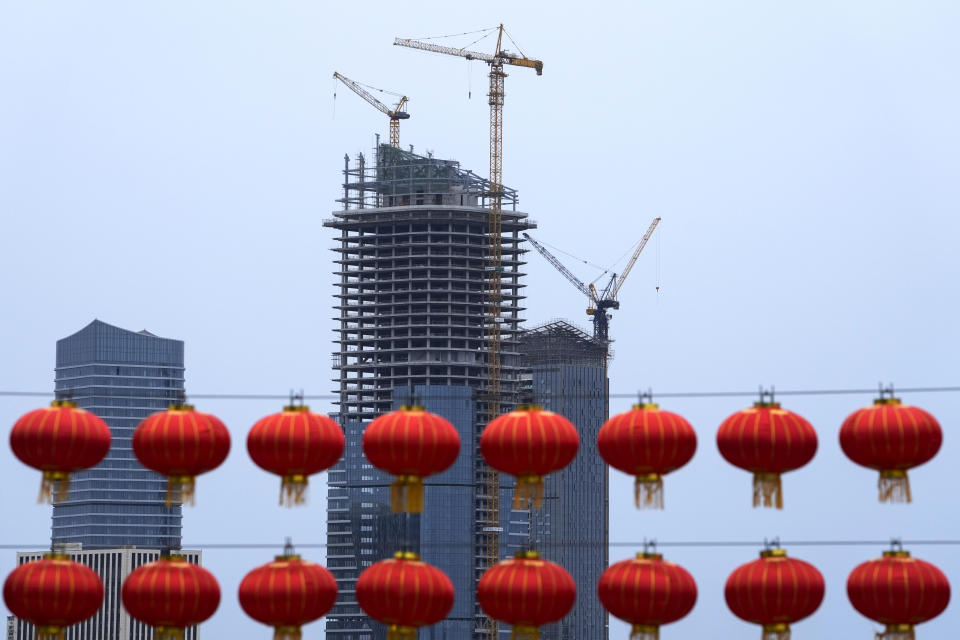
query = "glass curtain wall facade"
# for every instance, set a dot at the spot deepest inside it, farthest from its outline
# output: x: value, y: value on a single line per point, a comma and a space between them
x: 568, y: 375
x: 122, y: 377
x: 412, y: 272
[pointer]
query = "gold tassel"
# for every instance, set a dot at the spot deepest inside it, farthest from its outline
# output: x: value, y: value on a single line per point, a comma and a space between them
x: 645, y: 632
x: 287, y: 633
x: 767, y: 488
x: 894, y: 486
x: 397, y: 632
x: 779, y: 631
x: 521, y: 632
x: 406, y: 494
x: 168, y: 633
x: 528, y: 488
x: 897, y: 632
x: 50, y: 632
x: 293, y: 490
x: 180, y: 489
x: 55, y: 486
x: 648, y: 491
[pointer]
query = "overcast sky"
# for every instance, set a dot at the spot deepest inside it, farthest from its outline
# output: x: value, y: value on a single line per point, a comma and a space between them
x: 168, y: 165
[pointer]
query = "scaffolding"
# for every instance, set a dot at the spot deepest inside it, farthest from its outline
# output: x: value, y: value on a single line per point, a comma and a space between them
x: 560, y: 342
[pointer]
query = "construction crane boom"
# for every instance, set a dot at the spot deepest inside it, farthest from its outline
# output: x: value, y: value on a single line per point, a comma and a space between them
x: 489, y: 547
x: 503, y: 57
x: 636, y: 254
x: 552, y: 259
x: 395, y: 114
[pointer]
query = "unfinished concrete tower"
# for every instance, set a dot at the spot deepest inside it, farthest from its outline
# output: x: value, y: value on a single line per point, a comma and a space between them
x: 411, y: 258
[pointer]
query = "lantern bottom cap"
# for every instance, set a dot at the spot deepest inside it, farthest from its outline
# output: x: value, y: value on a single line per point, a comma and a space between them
x: 897, y: 632
x: 778, y: 631
x: 50, y: 632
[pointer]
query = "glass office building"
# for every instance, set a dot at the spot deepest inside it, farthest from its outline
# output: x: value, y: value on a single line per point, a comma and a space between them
x: 121, y: 376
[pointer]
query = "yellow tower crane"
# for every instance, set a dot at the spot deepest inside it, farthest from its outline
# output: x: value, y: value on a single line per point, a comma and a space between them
x: 490, y: 501
x: 396, y: 114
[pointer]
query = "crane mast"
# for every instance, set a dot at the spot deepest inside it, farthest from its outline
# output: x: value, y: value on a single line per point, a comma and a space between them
x: 395, y: 114
x: 490, y: 501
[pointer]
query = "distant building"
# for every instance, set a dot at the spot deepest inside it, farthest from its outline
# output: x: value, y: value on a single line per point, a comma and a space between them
x: 568, y: 375
x: 112, y: 622
x: 121, y: 376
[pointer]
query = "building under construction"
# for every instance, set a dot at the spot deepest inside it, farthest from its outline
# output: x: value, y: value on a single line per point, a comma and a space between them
x: 412, y: 275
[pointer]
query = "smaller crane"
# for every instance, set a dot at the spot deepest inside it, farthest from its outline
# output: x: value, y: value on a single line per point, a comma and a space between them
x: 599, y: 302
x: 396, y: 114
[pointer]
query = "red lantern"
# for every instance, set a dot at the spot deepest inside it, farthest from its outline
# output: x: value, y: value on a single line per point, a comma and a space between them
x: 181, y: 443
x: 410, y: 443
x: 52, y: 594
x: 288, y: 593
x: 526, y: 592
x: 775, y: 591
x: 647, y: 593
x: 891, y: 438
x: 898, y: 591
x: 404, y: 594
x: 170, y: 595
x: 59, y: 440
x: 767, y: 441
x: 647, y: 443
x: 529, y: 443
x: 295, y: 444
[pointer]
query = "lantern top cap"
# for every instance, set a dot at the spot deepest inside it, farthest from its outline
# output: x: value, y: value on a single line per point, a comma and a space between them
x: 773, y: 553
x: 530, y: 407
x: 406, y: 555
x: 647, y: 555
x: 178, y: 406
x: 285, y: 557
x: 412, y: 407
x: 886, y: 401
x: 763, y: 404
x: 55, y: 555
x: 527, y: 555
x: 67, y: 404
x: 896, y: 553
x: 646, y: 406
x: 298, y: 408
x: 172, y: 556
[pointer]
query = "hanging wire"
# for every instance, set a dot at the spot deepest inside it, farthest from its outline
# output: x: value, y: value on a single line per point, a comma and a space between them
x: 454, y: 35
x: 513, y: 40
x: 480, y: 394
x: 588, y: 544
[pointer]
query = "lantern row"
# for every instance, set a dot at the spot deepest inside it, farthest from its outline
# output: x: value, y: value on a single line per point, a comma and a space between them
x: 526, y: 591
x: 411, y: 444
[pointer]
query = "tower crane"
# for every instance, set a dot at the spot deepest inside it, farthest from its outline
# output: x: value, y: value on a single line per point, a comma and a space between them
x: 396, y: 114
x: 490, y: 501
x: 600, y: 301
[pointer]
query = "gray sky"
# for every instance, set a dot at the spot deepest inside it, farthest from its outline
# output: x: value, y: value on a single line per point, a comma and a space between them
x: 168, y: 167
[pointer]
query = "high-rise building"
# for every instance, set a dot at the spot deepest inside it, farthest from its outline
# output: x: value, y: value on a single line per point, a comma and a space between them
x: 121, y: 376
x: 412, y: 298
x: 568, y: 375
x: 111, y: 622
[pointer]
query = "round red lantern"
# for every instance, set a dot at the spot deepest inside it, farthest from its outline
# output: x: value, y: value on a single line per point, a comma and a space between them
x: 170, y: 595
x: 775, y: 591
x: 287, y: 594
x: 411, y: 444
x: 404, y: 593
x: 59, y: 440
x: 647, y: 592
x: 52, y: 594
x: 767, y: 441
x: 891, y: 437
x: 899, y: 592
x: 181, y: 443
x: 529, y: 443
x: 647, y: 443
x: 526, y: 591
x: 295, y: 444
